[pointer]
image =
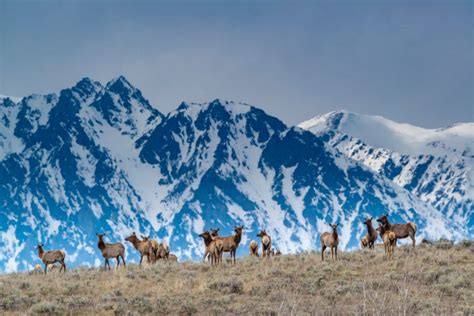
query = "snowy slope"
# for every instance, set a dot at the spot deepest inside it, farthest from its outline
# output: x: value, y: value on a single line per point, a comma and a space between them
x: 100, y: 158
x: 435, y: 164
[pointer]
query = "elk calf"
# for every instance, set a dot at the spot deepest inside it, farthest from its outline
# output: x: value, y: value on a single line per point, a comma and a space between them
x: 389, y: 240
x: 266, y: 243
x: 109, y: 251
x: 364, y: 242
x: 213, y: 248
x: 51, y: 257
x: 330, y: 240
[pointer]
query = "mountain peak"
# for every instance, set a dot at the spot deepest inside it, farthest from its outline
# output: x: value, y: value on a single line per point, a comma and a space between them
x: 87, y: 86
x: 119, y: 85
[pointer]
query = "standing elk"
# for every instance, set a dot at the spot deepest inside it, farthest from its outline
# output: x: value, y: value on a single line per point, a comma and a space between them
x: 389, y: 240
x: 266, y: 243
x: 109, y: 251
x: 330, y: 240
x: 163, y: 251
x: 142, y: 246
x: 253, y: 248
x: 364, y: 242
x: 371, y: 233
x: 153, y: 248
x: 230, y: 243
x: 51, y: 257
x: 213, y: 248
x: 401, y: 230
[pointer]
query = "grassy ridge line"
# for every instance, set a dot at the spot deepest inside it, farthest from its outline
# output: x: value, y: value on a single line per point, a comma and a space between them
x: 432, y: 280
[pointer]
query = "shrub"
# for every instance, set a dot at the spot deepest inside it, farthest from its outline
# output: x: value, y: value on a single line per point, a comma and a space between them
x: 46, y: 307
x: 227, y: 286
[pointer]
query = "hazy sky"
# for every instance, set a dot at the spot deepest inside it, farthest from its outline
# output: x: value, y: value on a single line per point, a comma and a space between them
x: 406, y: 60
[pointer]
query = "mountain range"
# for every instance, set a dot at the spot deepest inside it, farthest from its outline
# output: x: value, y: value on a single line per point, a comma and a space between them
x: 101, y: 158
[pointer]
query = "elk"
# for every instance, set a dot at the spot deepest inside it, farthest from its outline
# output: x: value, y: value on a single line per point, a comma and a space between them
x: 207, y: 238
x: 364, y: 242
x: 330, y: 240
x: 51, y: 257
x: 401, y: 230
x: 230, y: 243
x: 253, y: 248
x: 371, y: 233
x: 163, y: 251
x: 142, y: 246
x: 213, y: 248
x: 389, y: 240
x: 153, y: 249
x: 109, y: 251
x: 172, y: 257
x: 36, y: 270
x: 266, y: 243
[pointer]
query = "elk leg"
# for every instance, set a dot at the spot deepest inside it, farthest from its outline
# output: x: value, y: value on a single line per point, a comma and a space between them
x: 332, y: 253
x: 322, y: 252
x: 335, y: 250
x: 141, y: 259
x: 123, y: 259
x: 45, y: 268
x: 64, y: 267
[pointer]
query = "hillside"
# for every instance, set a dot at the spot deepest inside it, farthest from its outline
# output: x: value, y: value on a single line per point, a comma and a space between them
x: 434, y: 280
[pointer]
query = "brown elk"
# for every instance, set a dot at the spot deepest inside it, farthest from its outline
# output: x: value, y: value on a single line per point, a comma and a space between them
x: 51, y: 257
x: 275, y: 253
x: 172, y: 257
x: 163, y: 251
x: 213, y: 248
x: 389, y: 240
x: 371, y: 233
x: 109, y: 251
x: 330, y: 240
x: 230, y: 243
x: 266, y: 243
x: 364, y: 242
x: 153, y: 247
x: 400, y: 230
x: 253, y: 248
x: 142, y: 246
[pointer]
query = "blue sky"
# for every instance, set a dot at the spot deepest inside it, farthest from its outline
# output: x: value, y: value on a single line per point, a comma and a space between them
x: 410, y: 61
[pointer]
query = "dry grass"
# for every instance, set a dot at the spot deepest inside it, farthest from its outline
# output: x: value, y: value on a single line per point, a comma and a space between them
x: 434, y: 279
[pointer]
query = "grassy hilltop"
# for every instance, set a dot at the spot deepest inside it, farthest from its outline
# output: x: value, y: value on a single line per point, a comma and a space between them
x: 435, y: 279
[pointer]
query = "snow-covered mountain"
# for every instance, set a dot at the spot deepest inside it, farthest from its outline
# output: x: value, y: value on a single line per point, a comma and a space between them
x: 100, y: 158
x: 436, y: 165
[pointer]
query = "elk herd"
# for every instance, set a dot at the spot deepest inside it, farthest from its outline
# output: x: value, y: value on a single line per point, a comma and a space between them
x: 215, y: 245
